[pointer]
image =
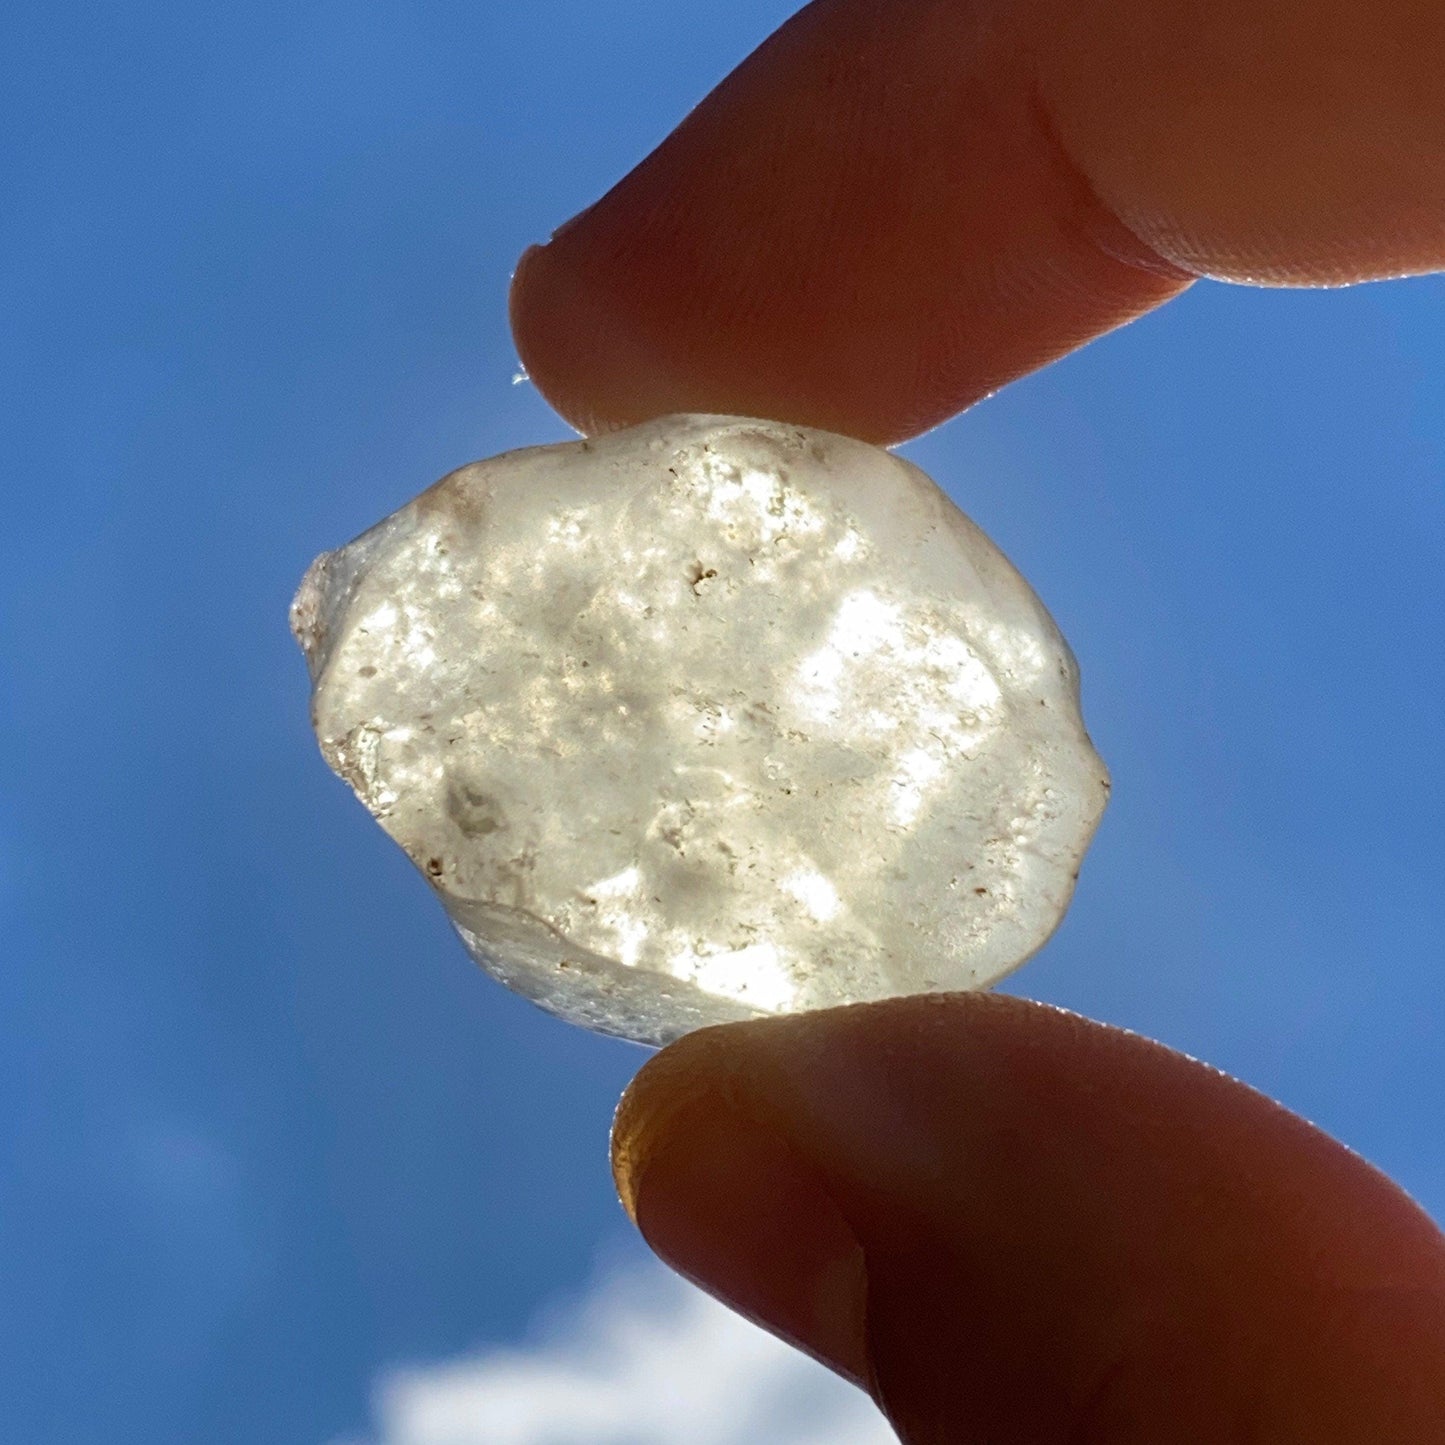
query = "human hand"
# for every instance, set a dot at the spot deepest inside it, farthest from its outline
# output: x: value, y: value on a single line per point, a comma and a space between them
x: 1009, y: 1223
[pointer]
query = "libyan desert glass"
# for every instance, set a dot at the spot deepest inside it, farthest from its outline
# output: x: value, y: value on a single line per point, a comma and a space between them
x: 708, y: 719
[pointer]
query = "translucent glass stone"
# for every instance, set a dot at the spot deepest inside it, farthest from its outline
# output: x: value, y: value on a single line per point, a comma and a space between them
x: 708, y: 719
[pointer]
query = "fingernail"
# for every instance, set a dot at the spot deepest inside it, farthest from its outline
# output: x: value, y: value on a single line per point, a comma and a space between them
x: 732, y: 1206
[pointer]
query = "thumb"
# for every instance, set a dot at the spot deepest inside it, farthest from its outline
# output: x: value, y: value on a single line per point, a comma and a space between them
x: 1013, y: 1225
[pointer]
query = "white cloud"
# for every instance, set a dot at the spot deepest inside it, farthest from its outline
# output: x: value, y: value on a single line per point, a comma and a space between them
x: 644, y: 1359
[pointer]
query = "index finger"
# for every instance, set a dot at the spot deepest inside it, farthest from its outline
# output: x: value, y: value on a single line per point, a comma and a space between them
x: 893, y: 207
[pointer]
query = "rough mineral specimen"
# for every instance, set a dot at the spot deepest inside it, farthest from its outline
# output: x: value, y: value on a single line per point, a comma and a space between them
x: 708, y: 719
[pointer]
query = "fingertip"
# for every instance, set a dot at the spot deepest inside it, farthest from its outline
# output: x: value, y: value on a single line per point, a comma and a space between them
x: 1008, y: 1220
x: 869, y: 226
x: 662, y: 1091
x: 538, y: 303
x: 732, y: 1204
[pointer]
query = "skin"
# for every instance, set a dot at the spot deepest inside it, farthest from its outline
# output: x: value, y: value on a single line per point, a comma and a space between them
x: 1011, y: 1224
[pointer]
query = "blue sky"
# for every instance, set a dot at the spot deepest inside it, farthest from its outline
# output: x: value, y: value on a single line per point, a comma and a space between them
x: 266, y: 1137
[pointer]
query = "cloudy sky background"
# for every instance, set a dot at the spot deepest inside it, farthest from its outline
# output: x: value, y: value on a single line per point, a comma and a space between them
x: 276, y: 1163
x: 641, y: 1359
